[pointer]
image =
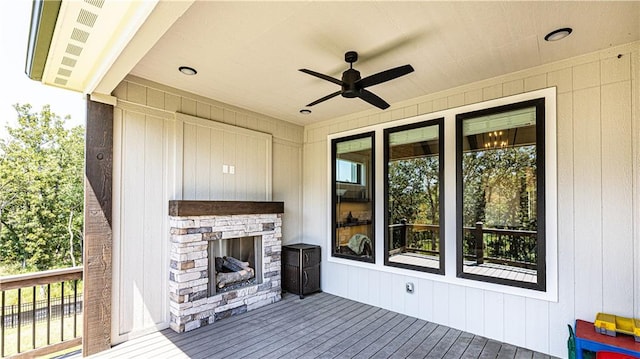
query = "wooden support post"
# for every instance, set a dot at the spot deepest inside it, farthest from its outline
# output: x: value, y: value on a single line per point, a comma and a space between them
x: 97, y: 228
x: 479, y: 243
x: 403, y: 234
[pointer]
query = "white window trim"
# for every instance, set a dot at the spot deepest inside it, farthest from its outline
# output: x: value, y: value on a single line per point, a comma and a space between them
x: 449, y: 115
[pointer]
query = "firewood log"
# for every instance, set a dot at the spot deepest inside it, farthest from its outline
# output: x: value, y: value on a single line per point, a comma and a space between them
x: 223, y: 279
x: 234, y: 264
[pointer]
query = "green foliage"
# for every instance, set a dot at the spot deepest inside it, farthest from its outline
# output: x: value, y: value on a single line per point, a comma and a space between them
x: 41, y: 191
x: 499, y: 188
x: 414, y: 190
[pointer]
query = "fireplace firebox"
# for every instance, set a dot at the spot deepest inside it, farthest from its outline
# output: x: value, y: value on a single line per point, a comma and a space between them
x: 234, y: 263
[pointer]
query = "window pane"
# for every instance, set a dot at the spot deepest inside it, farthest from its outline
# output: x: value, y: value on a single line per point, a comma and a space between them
x: 353, y: 235
x: 498, y: 182
x: 413, y: 197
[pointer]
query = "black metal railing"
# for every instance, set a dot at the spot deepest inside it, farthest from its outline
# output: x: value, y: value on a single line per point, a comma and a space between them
x: 43, y: 308
x: 416, y: 238
x: 516, y: 248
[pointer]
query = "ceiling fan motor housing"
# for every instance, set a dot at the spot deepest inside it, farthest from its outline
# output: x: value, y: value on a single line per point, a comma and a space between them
x: 349, y: 87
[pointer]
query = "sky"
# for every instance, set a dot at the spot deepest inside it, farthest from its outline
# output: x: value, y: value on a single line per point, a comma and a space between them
x: 15, y: 86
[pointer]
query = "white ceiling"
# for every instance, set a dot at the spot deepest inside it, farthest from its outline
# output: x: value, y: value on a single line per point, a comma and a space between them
x: 248, y: 54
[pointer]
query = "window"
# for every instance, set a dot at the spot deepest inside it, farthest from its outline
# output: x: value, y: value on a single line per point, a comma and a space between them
x: 352, y: 195
x: 350, y: 172
x: 501, y: 195
x: 414, y: 205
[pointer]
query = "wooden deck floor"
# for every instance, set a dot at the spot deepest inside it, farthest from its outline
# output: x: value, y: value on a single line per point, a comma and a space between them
x: 319, y: 326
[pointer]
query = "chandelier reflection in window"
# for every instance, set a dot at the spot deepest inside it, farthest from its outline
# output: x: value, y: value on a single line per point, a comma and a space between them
x: 497, y: 139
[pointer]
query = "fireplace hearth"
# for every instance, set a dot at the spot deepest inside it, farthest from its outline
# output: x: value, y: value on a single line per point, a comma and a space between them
x: 225, y: 259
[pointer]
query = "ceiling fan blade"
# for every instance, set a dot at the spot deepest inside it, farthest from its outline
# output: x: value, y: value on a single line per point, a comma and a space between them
x: 322, y: 76
x: 324, y: 98
x: 385, y: 76
x: 373, y: 99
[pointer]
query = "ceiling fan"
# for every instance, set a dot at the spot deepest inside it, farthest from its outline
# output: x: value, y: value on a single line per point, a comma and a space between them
x: 354, y: 86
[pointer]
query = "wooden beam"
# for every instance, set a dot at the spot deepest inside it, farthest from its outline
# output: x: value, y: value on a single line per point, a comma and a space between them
x: 222, y: 208
x: 97, y: 228
x: 39, y: 278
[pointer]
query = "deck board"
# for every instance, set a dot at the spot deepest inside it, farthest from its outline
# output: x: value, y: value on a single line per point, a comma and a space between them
x: 319, y: 326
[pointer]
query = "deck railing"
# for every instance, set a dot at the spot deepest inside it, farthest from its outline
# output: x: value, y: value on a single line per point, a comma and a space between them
x: 516, y: 248
x: 40, y: 312
x: 417, y: 238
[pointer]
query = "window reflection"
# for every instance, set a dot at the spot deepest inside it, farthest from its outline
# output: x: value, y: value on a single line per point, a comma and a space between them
x: 413, y: 196
x: 499, y: 232
x: 352, y: 171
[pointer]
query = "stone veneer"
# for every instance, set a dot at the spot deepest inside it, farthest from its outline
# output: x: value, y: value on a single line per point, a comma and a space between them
x: 190, y: 306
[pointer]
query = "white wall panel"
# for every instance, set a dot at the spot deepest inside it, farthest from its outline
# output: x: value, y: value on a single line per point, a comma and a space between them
x: 493, y: 319
x: 396, y: 287
x: 514, y: 320
x: 563, y: 310
x: 140, y: 239
x: 384, y: 290
x: 154, y: 282
x: 413, y: 301
x: 287, y: 187
x: 158, y: 158
x: 440, y: 297
x: 245, y: 172
x: 424, y: 290
x: 457, y: 307
x: 617, y: 205
x: 598, y: 136
x: 475, y: 318
x: 132, y: 218
x: 537, y: 325
x: 587, y: 201
x: 373, y: 293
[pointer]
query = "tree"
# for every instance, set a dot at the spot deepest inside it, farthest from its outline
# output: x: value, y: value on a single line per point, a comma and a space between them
x: 498, y: 185
x: 41, y: 191
x: 414, y: 190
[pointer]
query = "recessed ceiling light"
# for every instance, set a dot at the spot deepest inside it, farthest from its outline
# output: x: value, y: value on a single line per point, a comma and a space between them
x: 305, y: 111
x: 559, y: 34
x: 187, y: 70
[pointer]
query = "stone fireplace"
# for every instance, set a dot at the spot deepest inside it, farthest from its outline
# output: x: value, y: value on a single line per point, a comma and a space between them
x: 212, y: 241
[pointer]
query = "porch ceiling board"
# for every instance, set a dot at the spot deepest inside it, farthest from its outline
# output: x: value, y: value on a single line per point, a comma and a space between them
x: 247, y: 55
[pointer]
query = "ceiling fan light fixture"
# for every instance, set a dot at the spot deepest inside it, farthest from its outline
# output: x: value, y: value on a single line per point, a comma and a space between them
x: 189, y: 71
x: 558, y: 34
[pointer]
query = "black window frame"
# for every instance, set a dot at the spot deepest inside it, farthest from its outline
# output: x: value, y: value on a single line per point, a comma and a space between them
x: 539, y: 104
x: 441, y: 183
x: 334, y: 197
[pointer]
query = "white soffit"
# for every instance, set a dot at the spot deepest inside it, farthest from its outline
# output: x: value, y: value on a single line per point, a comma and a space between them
x: 89, y: 38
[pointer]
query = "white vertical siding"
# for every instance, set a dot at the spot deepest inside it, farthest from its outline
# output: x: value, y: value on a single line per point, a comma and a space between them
x: 163, y: 152
x: 617, y: 177
x: 138, y: 202
x: 598, y: 136
x: 208, y: 146
x: 287, y: 186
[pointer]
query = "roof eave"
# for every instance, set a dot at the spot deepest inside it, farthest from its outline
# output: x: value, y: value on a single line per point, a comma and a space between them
x: 44, y: 15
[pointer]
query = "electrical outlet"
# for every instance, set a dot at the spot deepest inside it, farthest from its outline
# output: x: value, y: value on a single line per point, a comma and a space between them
x: 409, y: 287
x: 225, y: 169
x: 232, y: 170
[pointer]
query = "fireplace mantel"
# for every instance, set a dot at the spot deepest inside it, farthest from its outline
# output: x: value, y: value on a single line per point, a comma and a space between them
x: 222, y: 208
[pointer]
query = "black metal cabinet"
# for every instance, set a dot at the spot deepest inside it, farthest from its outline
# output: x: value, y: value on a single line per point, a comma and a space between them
x: 301, y: 268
